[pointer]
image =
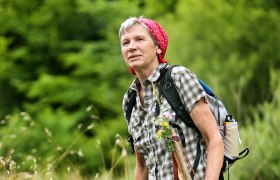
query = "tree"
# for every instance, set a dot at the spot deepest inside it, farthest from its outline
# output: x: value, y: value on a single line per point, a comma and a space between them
x: 231, y: 45
x: 62, y: 66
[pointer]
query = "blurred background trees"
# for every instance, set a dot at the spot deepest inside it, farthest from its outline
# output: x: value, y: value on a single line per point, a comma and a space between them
x: 62, y: 76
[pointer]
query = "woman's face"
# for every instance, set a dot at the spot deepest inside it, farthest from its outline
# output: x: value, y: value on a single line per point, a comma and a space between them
x: 138, y: 48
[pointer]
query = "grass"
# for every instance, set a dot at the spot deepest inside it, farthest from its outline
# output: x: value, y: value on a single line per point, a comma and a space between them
x: 32, y: 168
x: 60, y: 161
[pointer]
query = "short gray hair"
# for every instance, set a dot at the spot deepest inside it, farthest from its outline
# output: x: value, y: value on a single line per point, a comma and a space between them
x: 132, y: 21
x: 127, y: 24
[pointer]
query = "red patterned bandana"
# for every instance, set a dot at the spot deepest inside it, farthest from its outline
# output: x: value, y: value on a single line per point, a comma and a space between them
x: 159, y: 35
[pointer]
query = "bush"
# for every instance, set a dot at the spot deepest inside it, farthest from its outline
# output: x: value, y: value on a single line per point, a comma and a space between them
x: 262, y: 137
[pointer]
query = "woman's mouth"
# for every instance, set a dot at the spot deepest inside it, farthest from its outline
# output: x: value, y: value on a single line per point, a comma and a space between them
x: 132, y: 57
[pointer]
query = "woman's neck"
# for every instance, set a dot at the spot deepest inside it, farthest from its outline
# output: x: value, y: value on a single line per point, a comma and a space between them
x: 143, y: 74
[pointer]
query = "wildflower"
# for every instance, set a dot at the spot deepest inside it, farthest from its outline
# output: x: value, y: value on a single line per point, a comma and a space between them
x: 164, y: 129
x: 166, y: 124
x: 159, y: 134
x: 168, y: 115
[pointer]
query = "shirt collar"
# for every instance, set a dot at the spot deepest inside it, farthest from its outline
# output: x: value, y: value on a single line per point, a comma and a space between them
x: 152, y: 78
x: 156, y: 73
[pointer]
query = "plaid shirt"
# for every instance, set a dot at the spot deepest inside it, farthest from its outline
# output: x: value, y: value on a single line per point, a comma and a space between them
x: 142, y: 127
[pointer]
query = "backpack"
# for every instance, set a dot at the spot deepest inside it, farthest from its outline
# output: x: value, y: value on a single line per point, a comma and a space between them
x: 228, y: 127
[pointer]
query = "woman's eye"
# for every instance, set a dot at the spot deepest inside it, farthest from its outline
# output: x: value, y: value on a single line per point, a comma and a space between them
x: 124, y: 43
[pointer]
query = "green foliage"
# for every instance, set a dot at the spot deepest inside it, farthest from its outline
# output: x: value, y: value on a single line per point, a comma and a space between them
x: 231, y: 46
x: 154, y: 9
x: 27, y: 140
x: 262, y: 137
x: 61, y: 48
x: 59, y: 58
x: 55, y: 143
x: 60, y: 62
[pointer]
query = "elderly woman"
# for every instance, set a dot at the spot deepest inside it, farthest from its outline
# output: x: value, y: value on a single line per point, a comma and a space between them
x: 143, y: 45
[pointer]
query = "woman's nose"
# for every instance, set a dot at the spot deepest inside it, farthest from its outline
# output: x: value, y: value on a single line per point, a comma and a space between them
x: 132, y: 46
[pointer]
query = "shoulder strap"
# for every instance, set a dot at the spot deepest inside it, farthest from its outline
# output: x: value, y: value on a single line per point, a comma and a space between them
x: 168, y: 88
x: 130, y: 104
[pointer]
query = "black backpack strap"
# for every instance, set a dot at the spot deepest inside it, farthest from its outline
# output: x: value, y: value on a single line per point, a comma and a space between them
x: 180, y: 131
x: 130, y: 104
x: 169, y: 91
x: 197, y: 157
x: 131, y: 143
x: 128, y: 111
x: 242, y: 154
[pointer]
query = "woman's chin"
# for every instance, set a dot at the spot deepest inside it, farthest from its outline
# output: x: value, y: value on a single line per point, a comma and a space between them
x: 135, y: 65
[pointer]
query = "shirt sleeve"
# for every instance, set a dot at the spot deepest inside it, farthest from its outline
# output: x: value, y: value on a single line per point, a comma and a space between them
x: 188, y: 87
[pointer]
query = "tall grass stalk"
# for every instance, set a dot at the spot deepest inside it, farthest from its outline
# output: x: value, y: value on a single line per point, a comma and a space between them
x: 121, y: 142
x: 119, y: 155
x: 99, y: 147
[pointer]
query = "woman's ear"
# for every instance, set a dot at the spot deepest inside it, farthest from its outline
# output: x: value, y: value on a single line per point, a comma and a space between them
x: 159, y: 51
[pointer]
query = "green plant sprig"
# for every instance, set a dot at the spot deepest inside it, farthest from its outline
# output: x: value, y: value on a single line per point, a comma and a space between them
x: 165, y: 131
